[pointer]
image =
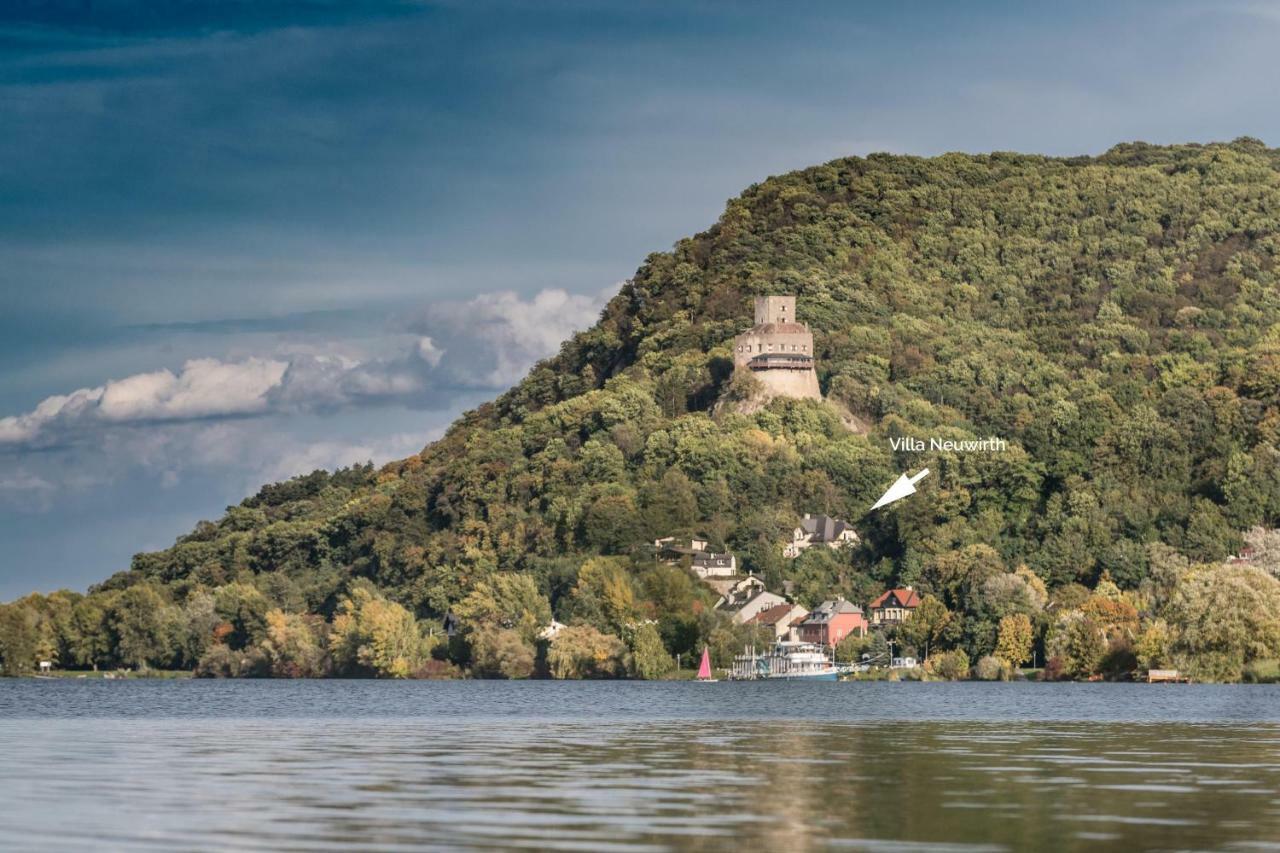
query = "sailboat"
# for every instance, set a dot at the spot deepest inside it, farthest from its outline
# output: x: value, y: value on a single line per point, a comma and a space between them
x: 704, y: 668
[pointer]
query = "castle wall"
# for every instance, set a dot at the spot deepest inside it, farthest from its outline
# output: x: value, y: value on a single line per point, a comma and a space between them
x: 802, y: 384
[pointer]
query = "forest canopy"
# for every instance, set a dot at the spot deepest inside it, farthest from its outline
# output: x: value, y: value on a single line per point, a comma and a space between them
x: 1115, y: 319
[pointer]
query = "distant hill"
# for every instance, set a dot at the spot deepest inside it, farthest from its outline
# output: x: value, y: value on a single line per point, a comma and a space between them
x: 1114, y: 318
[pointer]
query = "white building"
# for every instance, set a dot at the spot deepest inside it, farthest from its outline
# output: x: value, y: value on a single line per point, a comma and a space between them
x: 704, y: 562
x: 820, y: 530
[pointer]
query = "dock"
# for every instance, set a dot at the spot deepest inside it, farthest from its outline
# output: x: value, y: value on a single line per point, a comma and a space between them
x: 1167, y: 676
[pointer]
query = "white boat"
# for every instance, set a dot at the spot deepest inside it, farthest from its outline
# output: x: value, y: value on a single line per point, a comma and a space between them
x: 788, y: 660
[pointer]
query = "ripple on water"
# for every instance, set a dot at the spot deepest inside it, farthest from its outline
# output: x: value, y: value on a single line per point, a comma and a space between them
x: 404, y: 767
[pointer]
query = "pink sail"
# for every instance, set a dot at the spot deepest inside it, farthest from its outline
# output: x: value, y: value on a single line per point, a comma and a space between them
x: 704, y: 669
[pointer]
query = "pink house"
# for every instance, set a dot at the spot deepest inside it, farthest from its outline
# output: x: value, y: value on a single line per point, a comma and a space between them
x: 832, y: 621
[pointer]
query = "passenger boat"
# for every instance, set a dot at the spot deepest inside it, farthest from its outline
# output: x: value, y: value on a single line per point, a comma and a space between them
x: 789, y: 660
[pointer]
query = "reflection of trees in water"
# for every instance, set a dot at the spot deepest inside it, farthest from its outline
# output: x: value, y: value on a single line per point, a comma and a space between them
x: 795, y: 787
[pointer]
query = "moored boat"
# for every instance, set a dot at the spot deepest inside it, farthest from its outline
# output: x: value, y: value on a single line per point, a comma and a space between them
x: 787, y: 660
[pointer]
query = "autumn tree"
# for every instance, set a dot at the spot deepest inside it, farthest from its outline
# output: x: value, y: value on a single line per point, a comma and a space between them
x: 1015, y: 639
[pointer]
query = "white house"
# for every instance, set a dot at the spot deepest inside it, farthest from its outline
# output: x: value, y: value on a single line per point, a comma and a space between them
x: 704, y: 562
x: 820, y: 530
x: 755, y: 605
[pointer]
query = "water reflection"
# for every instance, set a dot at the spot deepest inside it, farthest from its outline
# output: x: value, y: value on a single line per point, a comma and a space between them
x: 443, y: 782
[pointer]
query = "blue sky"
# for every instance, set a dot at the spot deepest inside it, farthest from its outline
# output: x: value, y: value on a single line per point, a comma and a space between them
x: 240, y: 240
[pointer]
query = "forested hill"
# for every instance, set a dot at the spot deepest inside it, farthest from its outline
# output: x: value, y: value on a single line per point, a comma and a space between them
x: 1115, y: 318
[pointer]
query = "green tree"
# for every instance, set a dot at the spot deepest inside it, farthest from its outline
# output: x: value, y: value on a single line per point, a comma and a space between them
x: 374, y: 636
x: 19, y: 638
x: 648, y: 658
x: 141, y: 627
x: 1224, y: 617
x: 506, y: 602
x: 501, y: 653
x: 927, y: 625
x: 580, y: 651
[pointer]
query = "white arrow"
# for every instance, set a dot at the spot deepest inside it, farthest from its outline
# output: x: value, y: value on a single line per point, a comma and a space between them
x: 901, y: 488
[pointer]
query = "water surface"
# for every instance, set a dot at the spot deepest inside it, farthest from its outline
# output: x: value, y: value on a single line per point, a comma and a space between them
x: 637, y: 766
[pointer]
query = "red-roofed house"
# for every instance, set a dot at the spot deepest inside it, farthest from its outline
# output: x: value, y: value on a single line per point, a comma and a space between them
x: 894, y: 606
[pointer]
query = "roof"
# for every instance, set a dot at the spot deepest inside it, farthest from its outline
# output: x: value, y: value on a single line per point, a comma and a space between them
x: 828, y: 610
x: 774, y: 615
x: 779, y: 328
x: 780, y: 359
x: 709, y: 558
x: 824, y: 528
x: 736, y: 606
x: 726, y: 585
x: 901, y: 597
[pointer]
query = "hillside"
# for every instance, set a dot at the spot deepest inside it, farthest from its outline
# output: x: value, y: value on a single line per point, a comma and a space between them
x: 1115, y: 318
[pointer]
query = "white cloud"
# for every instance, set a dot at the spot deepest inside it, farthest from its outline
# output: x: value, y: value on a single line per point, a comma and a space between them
x: 490, y: 341
x: 204, y: 388
x: 493, y: 339
x: 285, y: 407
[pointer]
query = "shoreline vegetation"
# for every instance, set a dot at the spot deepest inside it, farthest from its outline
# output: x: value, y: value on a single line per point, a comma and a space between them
x: 1113, y: 321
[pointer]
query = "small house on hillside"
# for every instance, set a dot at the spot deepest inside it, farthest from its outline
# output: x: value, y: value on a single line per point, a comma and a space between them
x: 744, y: 597
x: 832, y: 621
x: 894, y: 606
x: 781, y: 619
x: 681, y: 546
x: 820, y: 530
x: 734, y: 591
x: 755, y: 605
x: 704, y: 562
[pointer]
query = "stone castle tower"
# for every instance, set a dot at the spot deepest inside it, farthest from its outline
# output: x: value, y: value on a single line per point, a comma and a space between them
x: 778, y: 350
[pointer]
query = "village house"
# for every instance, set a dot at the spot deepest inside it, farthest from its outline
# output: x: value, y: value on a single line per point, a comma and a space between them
x: 733, y: 591
x: 832, y: 621
x: 820, y: 530
x: 894, y: 606
x: 704, y: 562
x: 744, y: 597
x: 781, y: 619
x: 755, y: 605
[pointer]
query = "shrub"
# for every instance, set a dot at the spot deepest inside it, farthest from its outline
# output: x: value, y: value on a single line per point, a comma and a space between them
x: 1262, y: 671
x: 948, y: 666
x: 501, y: 654
x: 581, y: 651
x: 991, y: 668
x: 1054, y: 669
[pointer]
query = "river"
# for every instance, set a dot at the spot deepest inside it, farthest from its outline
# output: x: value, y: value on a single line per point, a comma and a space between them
x: 306, y: 765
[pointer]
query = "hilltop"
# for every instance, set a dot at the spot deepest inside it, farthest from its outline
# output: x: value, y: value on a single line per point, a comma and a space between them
x: 1114, y: 319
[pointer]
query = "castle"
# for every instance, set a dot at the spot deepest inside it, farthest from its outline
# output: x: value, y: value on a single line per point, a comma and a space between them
x: 778, y: 350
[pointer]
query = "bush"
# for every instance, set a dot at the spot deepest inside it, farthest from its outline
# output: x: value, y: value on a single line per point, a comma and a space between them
x: 991, y: 668
x: 222, y: 661
x: 1054, y: 669
x: 501, y: 654
x: 1262, y: 671
x: 948, y: 666
x: 581, y: 651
